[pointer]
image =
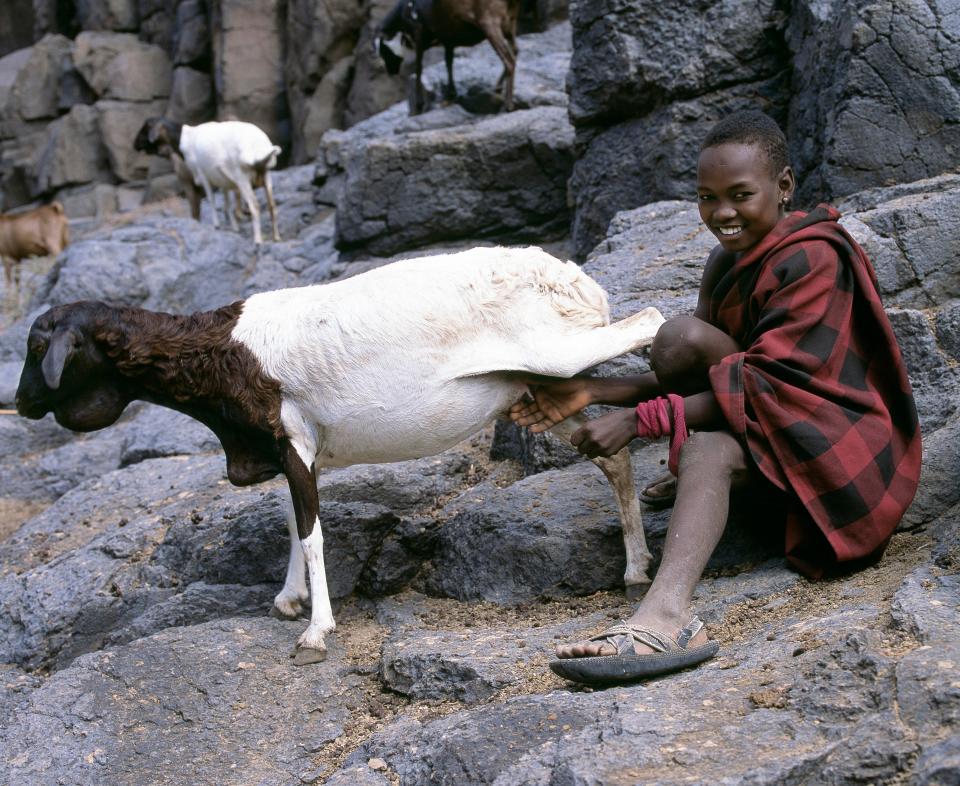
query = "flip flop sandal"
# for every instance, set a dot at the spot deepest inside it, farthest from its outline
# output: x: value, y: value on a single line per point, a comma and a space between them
x: 670, y: 655
x: 658, y: 501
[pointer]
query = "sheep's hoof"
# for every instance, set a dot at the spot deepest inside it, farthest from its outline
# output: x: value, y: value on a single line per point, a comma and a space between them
x: 305, y: 655
x: 637, y: 591
x: 279, y: 615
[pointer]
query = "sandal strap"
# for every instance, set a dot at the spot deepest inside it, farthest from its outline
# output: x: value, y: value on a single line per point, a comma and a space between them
x: 623, y: 636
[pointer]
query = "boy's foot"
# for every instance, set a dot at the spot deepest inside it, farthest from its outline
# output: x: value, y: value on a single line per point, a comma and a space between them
x: 629, y: 650
x: 661, y: 493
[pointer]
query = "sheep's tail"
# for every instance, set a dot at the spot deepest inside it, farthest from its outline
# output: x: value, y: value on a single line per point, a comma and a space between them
x: 267, y: 162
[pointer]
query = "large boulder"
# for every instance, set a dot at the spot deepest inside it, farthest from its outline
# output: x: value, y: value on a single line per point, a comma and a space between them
x: 501, y: 177
x: 72, y: 152
x: 876, y: 94
x: 119, y: 66
x: 631, y: 58
x: 321, y: 40
x: 36, y: 93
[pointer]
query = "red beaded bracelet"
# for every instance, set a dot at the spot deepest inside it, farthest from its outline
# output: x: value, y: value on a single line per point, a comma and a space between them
x: 653, y: 421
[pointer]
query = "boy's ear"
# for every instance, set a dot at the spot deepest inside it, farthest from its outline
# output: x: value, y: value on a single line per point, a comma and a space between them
x: 787, y: 182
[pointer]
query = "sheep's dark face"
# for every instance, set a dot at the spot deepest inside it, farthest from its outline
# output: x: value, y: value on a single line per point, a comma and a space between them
x: 66, y: 373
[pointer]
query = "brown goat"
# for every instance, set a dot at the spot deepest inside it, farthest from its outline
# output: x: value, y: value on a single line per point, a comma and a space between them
x: 451, y: 23
x: 34, y: 233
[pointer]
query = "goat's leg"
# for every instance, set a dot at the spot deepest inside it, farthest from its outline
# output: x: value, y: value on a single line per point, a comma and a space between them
x: 418, y: 98
x: 311, y: 646
x: 244, y: 187
x: 194, y: 195
x: 289, y: 601
x: 450, y: 93
x: 208, y: 190
x: 268, y: 187
x: 492, y: 30
x: 549, y: 356
x: 231, y: 214
x: 618, y: 470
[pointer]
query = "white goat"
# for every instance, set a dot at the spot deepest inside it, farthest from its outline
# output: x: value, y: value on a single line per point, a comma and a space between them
x: 227, y: 155
x: 400, y: 362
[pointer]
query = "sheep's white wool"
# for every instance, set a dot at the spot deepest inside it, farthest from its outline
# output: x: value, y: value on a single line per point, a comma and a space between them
x: 408, y: 359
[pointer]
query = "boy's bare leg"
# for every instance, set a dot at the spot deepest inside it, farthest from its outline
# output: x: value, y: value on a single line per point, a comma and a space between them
x: 710, y: 463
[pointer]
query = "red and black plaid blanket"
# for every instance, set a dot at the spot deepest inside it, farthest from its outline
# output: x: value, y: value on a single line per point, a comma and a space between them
x: 820, y: 396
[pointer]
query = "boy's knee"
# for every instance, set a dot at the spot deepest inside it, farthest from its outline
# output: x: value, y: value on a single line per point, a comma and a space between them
x: 676, y: 347
x: 713, y: 451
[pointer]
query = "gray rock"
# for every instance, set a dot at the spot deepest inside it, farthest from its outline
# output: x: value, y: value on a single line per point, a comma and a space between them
x: 556, y: 532
x: 248, y: 63
x: 191, y: 35
x: 927, y: 605
x: 939, y: 764
x: 156, y: 432
x: 874, y: 100
x: 501, y: 177
x: 231, y: 707
x: 473, y: 666
x: 72, y: 152
x: 107, y: 14
x: 119, y: 66
x: 35, y: 93
x: 191, y: 97
x: 320, y: 37
x: 622, y: 66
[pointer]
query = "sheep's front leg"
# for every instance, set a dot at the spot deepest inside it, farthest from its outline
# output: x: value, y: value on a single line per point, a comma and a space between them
x: 618, y: 470
x: 311, y: 646
x: 289, y: 601
x: 450, y: 92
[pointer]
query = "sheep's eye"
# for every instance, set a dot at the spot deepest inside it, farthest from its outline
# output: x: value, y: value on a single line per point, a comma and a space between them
x: 37, y: 346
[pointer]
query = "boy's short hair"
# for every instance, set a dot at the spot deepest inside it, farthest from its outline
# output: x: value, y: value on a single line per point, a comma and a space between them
x: 752, y: 128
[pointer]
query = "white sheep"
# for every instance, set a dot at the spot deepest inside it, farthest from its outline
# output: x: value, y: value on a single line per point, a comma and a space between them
x: 227, y: 155
x: 400, y: 362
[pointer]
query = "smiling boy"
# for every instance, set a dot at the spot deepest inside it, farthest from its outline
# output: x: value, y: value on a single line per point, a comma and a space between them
x: 791, y: 375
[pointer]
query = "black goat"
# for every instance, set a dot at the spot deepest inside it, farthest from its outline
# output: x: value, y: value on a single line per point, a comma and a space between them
x: 451, y: 23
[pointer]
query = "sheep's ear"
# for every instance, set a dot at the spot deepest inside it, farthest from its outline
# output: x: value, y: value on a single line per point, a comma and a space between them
x: 63, y: 344
x: 154, y: 133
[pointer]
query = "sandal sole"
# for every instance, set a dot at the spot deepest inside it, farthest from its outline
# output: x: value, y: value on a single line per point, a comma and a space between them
x: 614, y: 669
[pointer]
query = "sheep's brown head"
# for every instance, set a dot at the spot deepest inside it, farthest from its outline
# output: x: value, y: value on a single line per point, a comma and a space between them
x: 67, y: 373
x: 158, y: 136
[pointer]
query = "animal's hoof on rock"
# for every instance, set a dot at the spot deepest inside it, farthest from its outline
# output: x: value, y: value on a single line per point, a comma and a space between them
x: 281, y: 615
x: 305, y: 655
x: 637, y: 591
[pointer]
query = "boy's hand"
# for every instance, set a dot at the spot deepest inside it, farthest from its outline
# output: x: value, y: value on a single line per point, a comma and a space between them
x: 552, y: 403
x: 606, y: 435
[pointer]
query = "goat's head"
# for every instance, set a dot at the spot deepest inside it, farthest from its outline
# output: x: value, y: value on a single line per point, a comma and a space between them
x: 399, y: 20
x: 158, y: 136
x: 68, y: 373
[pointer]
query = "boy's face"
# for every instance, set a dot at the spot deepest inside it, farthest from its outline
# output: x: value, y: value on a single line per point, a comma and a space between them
x: 740, y: 200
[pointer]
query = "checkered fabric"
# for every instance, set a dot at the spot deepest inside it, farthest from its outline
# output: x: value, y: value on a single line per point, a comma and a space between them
x: 820, y: 396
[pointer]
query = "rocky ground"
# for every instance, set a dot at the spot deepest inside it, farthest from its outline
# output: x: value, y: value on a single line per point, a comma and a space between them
x: 135, y: 582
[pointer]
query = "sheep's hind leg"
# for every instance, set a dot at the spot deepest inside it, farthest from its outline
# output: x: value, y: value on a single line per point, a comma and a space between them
x: 250, y: 198
x: 546, y: 355
x: 289, y: 601
x: 311, y: 646
x: 618, y: 470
